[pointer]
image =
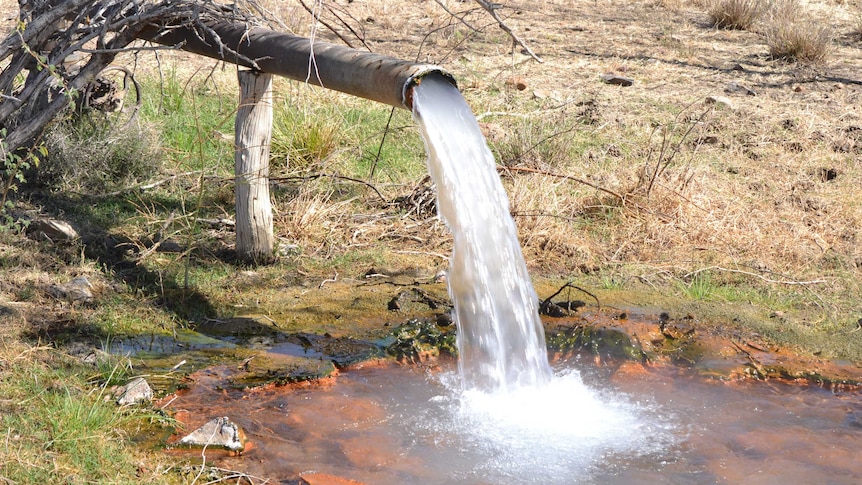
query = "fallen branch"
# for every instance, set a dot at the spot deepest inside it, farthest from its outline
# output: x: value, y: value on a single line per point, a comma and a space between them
x: 563, y: 176
x: 749, y: 273
x: 492, y: 9
x: 547, y: 301
x: 453, y: 15
x: 330, y: 175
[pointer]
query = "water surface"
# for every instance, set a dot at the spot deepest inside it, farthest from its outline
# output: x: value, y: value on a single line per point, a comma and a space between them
x: 409, y: 426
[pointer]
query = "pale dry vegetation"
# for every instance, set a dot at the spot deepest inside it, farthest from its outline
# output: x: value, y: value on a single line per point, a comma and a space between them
x: 793, y: 34
x: 648, y: 182
x: 760, y: 192
x: 736, y: 14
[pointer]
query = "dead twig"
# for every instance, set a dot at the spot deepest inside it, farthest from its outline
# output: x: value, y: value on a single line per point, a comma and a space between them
x: 749, y: 273
x: 565, y: 177
x: 328, y: 26
x: 330, y: 175
x: 455, y: 16
x: 492, y: 8
x: 569, y: 284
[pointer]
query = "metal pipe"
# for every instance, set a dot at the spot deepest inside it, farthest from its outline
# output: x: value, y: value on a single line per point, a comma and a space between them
x: 372, y: 76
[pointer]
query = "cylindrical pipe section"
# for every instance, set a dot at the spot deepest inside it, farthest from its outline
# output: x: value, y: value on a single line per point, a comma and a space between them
x: 372, y: 76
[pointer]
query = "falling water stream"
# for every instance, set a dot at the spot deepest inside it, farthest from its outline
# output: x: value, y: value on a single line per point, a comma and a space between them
x: 501, y: 343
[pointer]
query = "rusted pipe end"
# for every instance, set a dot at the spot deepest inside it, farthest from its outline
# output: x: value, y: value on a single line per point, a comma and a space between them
x: 416, y: 79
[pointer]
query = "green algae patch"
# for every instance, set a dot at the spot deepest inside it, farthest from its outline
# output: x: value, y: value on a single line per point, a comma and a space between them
x: 265, y: 369
x: 420, y: 340
x: 605, y: 342
x: 359, y: 309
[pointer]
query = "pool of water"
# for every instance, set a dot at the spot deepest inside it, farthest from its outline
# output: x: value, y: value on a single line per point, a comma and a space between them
x: 407, y: 425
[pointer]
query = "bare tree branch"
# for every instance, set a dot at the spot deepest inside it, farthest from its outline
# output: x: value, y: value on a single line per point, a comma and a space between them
x: 492, y: 9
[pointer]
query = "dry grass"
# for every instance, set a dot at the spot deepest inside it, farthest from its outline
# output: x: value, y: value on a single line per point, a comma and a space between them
x: 856, y: 24
x: 736, y: 14
x: 793, y: 35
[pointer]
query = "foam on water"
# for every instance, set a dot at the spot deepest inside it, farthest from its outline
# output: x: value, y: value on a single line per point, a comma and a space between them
x: 552, y: 434
x: 500, y: 338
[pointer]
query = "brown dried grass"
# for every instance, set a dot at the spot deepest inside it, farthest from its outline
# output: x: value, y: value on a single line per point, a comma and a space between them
x: 736, y: 14
x: 793, y: 35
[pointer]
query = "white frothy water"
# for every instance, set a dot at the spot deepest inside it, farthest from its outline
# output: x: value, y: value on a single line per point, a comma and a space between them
x: 501, y: 342
x: 560, y: 433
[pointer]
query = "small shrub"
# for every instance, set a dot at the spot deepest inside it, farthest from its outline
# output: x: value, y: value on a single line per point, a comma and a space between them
x: 89, y: 155
x: 793, y: 36
x: 736, y: 14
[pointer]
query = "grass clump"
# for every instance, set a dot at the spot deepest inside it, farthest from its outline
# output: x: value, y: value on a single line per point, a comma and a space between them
x: 793, y: 36
x: 303, y: 141
x: 736, y: 14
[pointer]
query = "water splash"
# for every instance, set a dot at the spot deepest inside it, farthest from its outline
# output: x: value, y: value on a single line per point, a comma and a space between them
x: 500, y: 337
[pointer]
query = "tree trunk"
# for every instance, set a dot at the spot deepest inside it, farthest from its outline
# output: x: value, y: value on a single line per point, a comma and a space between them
x: 254, y: 238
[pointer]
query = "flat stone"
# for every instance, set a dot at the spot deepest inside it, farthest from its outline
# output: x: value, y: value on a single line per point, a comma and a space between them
x: 218, y: 432
x: 51, y: 229
x: 720, y: 100
x: 77, y: 290
x: 277, y: 367
x: 617, y: 80
x: 135, y: 391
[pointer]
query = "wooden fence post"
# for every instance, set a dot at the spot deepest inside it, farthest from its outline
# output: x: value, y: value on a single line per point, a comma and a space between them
x: 254, y: 237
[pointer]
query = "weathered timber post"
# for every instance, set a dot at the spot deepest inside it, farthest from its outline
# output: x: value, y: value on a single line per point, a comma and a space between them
x: 254, y: 238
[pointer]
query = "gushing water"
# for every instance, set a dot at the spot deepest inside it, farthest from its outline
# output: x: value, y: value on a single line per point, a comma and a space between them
x: 500, y: 338
x: 512, y: 418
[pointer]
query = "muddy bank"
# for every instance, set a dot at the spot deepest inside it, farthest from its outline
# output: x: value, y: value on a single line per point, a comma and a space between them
x: 311, y: 332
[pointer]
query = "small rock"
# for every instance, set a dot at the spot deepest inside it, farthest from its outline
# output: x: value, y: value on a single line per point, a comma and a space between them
x: 617, y: 80
x: 220, y: 432
x: 551, y: 309
x: 797, y: 89
x: 394, y: 304
x: 735, y: 87
x: 720, y: 100
x: 516, y: 82
x: 444, y: 320
x: 78, y: 290
x: 135, y: 391
x: 52, y: 230
x: 676, y: 330
x: 170, y: 246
